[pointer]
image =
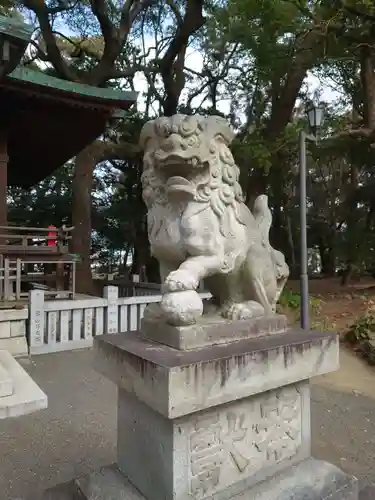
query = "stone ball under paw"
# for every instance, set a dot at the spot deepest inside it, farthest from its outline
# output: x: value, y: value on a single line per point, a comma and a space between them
x: 182, y: 308
x: 153, y: 312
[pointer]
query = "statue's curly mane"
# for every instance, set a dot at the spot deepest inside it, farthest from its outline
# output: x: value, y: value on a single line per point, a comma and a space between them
x: 224, y: 190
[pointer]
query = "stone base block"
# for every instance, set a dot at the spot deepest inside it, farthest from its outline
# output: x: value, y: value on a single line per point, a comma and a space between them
x: 218, y: 452
x: 217, y: 421
x: 176, y: 383
x: 308, y: 480
x: 211, y: 330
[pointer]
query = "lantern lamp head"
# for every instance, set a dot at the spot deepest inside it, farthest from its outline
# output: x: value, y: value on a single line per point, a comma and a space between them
x: 315, y: 116
x: 15, y: 36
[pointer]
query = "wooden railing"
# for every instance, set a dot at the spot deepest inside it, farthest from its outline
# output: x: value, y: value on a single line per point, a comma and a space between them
x: 22, y: 247
x: 10, y: 279
x: 34, y: 240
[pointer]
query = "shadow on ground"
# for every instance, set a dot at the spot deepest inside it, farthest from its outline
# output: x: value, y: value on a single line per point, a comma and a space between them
x: 77, y: 433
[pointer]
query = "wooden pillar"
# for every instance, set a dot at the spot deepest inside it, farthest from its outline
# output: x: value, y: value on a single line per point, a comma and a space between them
x: 4, y: 284
x: 3, y: 180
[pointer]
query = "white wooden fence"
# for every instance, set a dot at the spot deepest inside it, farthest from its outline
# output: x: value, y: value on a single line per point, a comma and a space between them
x: 60, y: 325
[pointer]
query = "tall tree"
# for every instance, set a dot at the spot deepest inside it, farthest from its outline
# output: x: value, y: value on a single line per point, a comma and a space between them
x: 112, y: 55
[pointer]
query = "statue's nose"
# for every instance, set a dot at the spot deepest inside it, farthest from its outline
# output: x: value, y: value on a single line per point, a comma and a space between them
x: 172, y: 142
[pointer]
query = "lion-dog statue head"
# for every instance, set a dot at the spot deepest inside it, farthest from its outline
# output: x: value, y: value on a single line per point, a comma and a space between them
x: 189, y: 156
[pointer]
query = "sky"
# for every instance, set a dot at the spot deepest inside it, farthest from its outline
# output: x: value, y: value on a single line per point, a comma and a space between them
x: 194, y: 60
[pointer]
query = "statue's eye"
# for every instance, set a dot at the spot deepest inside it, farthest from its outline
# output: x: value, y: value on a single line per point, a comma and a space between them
x: 164, y: 128
x: 188, y: 126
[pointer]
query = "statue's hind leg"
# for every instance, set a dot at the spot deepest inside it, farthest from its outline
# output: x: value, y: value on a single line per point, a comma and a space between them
x: 243, y: 310
x: 256, y: 301
x: 244, y: 304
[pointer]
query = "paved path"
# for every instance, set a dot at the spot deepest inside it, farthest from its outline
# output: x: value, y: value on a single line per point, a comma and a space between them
x: 78, y: 431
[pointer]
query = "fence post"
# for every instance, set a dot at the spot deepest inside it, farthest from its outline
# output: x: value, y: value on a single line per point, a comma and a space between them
x: 36, y: 318
x: 111, y: 313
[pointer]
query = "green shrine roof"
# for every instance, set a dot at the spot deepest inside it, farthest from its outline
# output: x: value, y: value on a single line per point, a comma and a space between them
x: 118, y: 98
x: 48, y: 121
x: 14, y: 27
x: 44, y: 120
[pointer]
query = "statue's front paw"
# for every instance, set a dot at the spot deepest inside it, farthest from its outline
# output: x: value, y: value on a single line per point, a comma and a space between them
x: 180, y: 280
x: 182, y: 308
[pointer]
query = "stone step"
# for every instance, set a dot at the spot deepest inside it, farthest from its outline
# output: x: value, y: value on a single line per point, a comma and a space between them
x: 109, y: 484
x: 105, y: 484
x: 367, y: 493
x: 64, y: 491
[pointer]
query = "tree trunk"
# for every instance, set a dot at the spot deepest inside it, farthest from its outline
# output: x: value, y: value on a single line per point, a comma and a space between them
x: 292, y: 252
x: 352, y: 250
x: 346, y: 274
x: 327, y: 258
x: 81, y: 218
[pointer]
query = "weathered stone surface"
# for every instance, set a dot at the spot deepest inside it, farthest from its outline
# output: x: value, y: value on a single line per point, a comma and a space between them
x: 217, y: 452
x: 367, y: 493
x: 6, y: 384
x: 308, y: 480
x: 4, y: 329
x: 13, y: 331
x: 199, y: 227
x: 17, y: 346
x: 107, y: 484
x: 26, y: 397
x: 212, y: 330
x: 177, y: 383
x: 65, y: 491
x: 18, y: 328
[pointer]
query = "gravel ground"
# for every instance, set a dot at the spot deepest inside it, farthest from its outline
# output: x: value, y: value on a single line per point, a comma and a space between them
x: 77, y: 433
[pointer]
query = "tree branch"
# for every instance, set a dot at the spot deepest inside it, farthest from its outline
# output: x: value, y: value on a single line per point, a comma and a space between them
x: 99, y: 10
x: 172, y: 63
x: 114, y: 39
x: 53, y: 52
x: 175, y: 11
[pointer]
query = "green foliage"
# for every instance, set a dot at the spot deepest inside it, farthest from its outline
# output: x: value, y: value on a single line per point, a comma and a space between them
x: 363, y: 329
x: 292, y: 301
x: 255, y: 55
x: 47, y: 203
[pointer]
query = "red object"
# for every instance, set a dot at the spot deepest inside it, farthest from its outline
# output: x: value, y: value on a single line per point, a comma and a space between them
x: 51, y: 242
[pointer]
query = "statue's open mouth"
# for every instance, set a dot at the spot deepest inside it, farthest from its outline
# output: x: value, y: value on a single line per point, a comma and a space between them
x: 181, y: 173
x: 176, y: 184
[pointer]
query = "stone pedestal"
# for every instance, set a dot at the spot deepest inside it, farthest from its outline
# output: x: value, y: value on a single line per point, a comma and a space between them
x: 19, y: 394
x: 212, y: 330
x: 219, y: 422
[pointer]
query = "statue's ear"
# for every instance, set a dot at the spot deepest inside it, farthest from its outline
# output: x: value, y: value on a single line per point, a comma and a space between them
x: 220, y: 126
x: 147, y: 132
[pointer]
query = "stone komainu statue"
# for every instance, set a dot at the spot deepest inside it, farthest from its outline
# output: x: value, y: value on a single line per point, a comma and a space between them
x: 199, y: 227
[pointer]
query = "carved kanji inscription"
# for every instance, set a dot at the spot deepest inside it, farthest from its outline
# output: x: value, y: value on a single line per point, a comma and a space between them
x: 237, y: 441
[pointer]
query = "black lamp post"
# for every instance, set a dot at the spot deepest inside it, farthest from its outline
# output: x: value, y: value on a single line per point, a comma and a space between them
x: 315, y: 116
x: 15, y: 36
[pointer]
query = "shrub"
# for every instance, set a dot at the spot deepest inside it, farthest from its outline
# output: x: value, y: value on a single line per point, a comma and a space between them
x: 362, y: 329
x: 292, y: 300
x: 289, y: 299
